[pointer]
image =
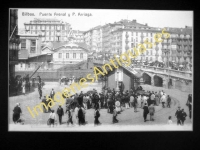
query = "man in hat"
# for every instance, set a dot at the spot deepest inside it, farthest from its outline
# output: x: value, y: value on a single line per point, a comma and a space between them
x: 168, y: 101
x: 178, y: 115
x: 145, y: 112
x: 52, y: 93
x: 60, y: 113
x: 183, y: 116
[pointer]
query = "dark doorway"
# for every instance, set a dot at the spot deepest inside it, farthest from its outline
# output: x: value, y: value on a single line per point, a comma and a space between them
x: 147, y: 79
x: 158, y: 81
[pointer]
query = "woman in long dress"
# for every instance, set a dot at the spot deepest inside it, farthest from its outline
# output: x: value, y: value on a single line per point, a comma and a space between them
x: 23, y: 89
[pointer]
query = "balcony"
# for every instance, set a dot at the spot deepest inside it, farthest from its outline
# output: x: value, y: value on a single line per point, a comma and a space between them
x: 185, y: 49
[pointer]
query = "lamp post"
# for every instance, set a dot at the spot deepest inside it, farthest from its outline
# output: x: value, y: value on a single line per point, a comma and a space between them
x: 117, y: 88
x: 167, y: 52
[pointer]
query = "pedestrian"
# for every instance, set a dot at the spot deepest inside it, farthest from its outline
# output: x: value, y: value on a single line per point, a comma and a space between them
x: 60, y: 113
x: 23, y: 89
x: 151, y: 112
x: 69, y: 113
x: 190, y: 109
x: 135, y: 104
x: 115, y: 116
x: 85, y: 101
x: 183, y: 116
x: 16, y: 113
x: 81, y: 119
x: 157, y: 99
x: 126, y: 102
x: 96, y: 117
x: 145, y: 112
x: 131, y: 101
x: 76, y: 113
x: 40, y: 93
x: 168, y: 101
x: 163, y: 100
x: 170, y: 120
x: 178, y: 115
x: 142, y: 101
x: 45, y: 102
x: 52, y: 93
x: 52, y: 118
x: 152, y: 98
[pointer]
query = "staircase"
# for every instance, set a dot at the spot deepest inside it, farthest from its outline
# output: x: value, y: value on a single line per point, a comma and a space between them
x: 36, y: 70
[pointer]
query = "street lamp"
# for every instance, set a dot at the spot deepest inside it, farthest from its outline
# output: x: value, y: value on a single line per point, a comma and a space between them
x: 167, y: 52
x: 117, y: 88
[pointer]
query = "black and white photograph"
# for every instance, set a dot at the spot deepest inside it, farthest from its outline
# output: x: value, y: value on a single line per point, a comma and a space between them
x: 100, y: 70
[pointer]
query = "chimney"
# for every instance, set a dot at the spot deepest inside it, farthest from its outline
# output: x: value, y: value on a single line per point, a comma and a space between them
x: 146, y: 24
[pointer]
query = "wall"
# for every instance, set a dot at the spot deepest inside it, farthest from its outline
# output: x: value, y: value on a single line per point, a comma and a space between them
x: 182, y: 86
x: 111, y: 81
x: 55, y: 75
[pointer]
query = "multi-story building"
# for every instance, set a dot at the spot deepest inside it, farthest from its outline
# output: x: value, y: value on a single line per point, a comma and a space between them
x: 78, y: 36
x: 50, y: 29
x: 177, y: 48
x: 14, y: 42
x: 180, y: 49
x: 93, y: 38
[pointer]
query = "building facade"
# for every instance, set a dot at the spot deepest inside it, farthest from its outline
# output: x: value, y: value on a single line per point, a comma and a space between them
x: 50, y: 29
x: 78, y: 36
x: 69, y: 53
x: 181, y: 48
x: 14, y: 41
x: 93, y: 38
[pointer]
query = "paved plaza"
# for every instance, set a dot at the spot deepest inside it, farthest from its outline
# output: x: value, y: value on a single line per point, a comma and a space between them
x: 128, y: 118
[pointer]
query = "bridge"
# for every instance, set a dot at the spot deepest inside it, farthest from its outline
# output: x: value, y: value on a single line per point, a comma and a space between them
x: 156, y: 76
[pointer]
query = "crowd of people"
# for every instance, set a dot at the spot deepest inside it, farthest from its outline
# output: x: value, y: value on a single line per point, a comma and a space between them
x: 114, y: 102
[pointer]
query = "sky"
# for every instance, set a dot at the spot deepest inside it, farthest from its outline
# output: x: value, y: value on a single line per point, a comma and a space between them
x: 95, y: 17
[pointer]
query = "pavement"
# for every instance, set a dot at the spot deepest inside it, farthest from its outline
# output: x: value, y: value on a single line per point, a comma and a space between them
x: 128, y: 119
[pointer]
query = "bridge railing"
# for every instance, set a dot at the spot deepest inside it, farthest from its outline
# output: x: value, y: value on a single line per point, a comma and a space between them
x: 167, y: 71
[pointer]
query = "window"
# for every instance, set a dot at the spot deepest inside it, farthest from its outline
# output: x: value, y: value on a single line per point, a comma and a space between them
x: 28, y: 65
x: 132, y: 45
x: 136, y: 39
x: 59, y: 55
x: 81, y: 55
x: 136, y: 34
x: 151, y: 34
x: 132, y: 33
x: 23, y: 44
x: 33, y: 46
x: 74, y: 55
x: 151, y: 52
x: 67, y: 55
x: 132, y: 39
x: 21, y: 65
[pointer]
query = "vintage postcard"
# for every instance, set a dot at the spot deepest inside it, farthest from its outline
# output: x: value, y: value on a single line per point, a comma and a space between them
x: 100, y: 70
